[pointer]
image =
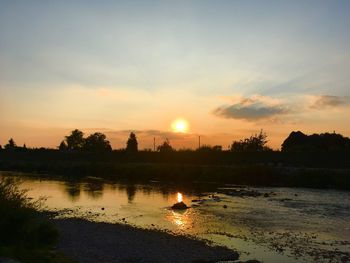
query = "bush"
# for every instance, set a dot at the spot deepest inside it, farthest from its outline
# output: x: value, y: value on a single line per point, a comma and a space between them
x: 26, y: 234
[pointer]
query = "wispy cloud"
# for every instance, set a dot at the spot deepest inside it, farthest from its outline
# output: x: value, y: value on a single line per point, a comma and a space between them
x: 329, y: 101
x: 253, y: 108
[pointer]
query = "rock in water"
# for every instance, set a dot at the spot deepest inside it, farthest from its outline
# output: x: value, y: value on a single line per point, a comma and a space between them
x: 179, y: 206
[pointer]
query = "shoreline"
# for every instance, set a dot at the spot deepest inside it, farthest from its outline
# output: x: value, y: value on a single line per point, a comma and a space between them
x: 180, y: 174
x: 90, y: 242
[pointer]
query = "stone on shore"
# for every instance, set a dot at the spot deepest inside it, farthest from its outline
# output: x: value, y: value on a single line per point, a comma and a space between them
x: 179, y: 206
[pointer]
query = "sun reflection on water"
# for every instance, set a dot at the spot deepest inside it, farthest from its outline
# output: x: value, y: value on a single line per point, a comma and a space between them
x: 182, y: 219
x: 179, y: 197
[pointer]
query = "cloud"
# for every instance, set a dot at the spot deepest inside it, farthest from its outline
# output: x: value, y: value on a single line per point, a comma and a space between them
x: 252, y: 109
x: 329, y: 101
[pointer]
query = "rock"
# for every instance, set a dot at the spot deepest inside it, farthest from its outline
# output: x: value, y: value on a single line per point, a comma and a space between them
x: 215, y: 198
x: 179, y: 206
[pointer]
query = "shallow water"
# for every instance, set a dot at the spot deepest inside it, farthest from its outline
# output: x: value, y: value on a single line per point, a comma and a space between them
x: 289, y: 225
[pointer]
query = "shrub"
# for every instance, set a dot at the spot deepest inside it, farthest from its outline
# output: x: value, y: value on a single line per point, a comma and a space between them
x: 25, y: 233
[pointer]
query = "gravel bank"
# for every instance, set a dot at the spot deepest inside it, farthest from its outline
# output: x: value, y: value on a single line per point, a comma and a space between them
x: 91, y: 242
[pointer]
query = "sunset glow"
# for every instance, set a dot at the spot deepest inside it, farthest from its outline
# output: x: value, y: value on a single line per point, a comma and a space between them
x: 111, y: 108
x: 178, y: 67
x: 180, y: 125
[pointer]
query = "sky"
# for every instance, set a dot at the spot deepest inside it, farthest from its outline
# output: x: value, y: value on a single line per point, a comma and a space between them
x: 230, y: 68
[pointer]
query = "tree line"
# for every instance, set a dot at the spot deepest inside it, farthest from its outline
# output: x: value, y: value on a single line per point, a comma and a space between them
x: 295, y: 142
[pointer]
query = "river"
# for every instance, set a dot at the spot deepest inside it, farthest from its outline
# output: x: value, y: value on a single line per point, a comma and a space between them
x: 278, y: 225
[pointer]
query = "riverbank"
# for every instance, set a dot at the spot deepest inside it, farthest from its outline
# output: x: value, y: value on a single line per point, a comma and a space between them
x: 185, y: 174
x: 277, y: 169
x: 91, y: 242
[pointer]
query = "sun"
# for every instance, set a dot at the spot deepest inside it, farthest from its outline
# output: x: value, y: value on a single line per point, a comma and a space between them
x: 180, y: 125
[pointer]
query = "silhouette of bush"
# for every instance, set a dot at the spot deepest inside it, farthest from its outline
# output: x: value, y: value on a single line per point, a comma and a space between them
x: 165, y: 147
x: 208, y: 148
x: 26, y: 235
x: 255, y: 143
x: 324, y: 142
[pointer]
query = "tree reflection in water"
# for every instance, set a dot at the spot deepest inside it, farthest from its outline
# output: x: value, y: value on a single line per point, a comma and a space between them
x: 94, y: 190
x: 130, y: 191
x: 73, y: 190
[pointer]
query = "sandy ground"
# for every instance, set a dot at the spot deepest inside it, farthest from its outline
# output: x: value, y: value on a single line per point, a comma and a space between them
x: 102, y: 242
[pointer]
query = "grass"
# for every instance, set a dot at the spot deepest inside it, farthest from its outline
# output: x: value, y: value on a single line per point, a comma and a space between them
x: 26, y: 234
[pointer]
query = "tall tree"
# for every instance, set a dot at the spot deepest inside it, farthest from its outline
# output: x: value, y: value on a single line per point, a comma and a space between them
x: 97, y: 142
x: 165, y: 147
x: 75, y: 141
x: 11, y: 145
x: 131, y: 144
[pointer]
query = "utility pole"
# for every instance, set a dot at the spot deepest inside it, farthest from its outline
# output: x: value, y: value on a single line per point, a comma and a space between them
x: 199, y: 141
x: 154, y: 144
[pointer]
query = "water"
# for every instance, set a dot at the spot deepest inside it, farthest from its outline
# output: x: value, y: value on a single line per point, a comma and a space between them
x: 289, y: 225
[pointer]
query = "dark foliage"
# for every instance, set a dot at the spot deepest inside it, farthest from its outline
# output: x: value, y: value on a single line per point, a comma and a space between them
x: 63, y: 146
x: 75, y: 141
x: 255, y: 143
x: 11, y: 145
x: 208, y: 148
x: 165, y: 147
x: 131, y: 144
x: 324, y: 142
x: 97, y: 142
x: 256, y: 168
x: 26, y: 234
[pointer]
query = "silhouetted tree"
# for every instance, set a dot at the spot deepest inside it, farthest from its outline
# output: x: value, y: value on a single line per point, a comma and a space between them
x: 255, y: 143
x: 217, y: 148
x: 0, y: 147
x: 324, y: 142
x: 24, y: 147
x: 62, y: 146
x: 11, y: 145
x: 131, y: 144
x: 75, y: 141
x: 97, y: 142
x: 165, y: 147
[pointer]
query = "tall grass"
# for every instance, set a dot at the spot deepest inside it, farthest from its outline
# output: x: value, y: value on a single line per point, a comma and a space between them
x: 25, y: 234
